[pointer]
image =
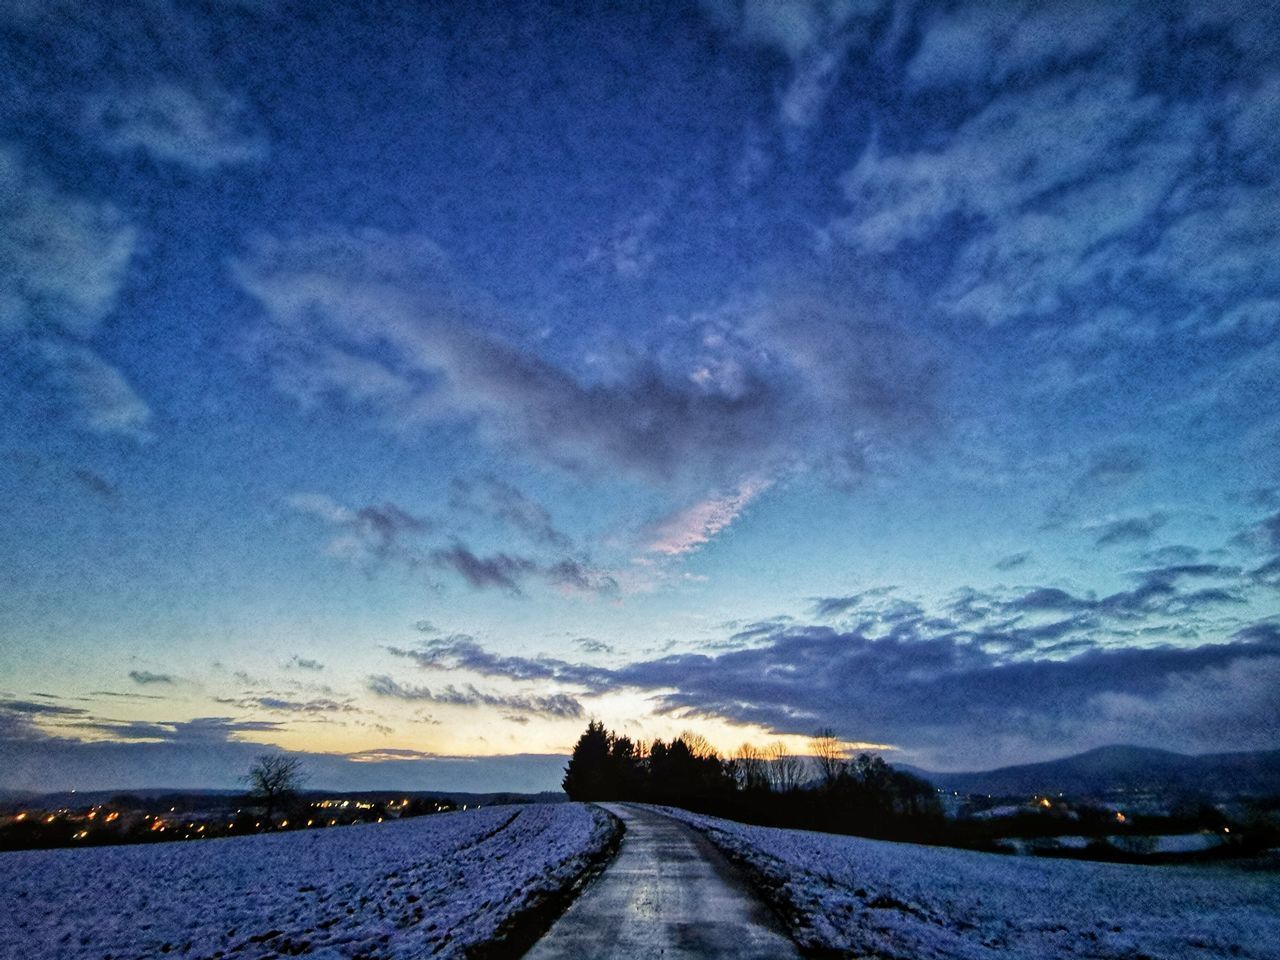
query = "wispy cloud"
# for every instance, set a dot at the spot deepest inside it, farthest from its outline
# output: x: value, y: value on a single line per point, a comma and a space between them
x: 815, y: 35
x: 494, y: 497
x: 374, y: 533
x: 1128, y: 529
x: 689, y: 529
x: 990, y: 43
x: 376, y: 318
x: 102, y: 399
x: 175, y: 124
x: 63, y: 262
x: 278, y: 704
x: 508, y: 572
x: 501, y: 570
x: 558, y: 705
x: 1071, y: 188
x: 146, y: 677
x: 1013, y: 561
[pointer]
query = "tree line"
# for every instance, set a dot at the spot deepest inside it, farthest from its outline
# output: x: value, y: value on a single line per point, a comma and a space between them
x: 825, y: 790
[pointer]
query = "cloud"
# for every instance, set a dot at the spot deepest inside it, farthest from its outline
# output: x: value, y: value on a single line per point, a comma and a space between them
x: 578, y: 576
x: 376, y: 533
x: 387, y: 533
x: 460, y: 651
x: 992, y: 677
x: 64, y: 258
x: 948, y: 700
x: 136, y: 697
x: 35, y: 721
x: 689, y: 529
x: 556, y: 706
x: 98, y: 393
x: 277, y: 704
x: 1172, y: 554
x: 592, y: 645
x: 1268, y: 573
x: 1075, y: 183
x: 137, y: 79
x: 49, y: 763
x: 1157, y: 594
x: 19, y: 718
x: 463, y: 652
x: 1013, y: 561
x: 146, y: 677
x: 827, y: 607
x: 500, y: 570
x: 63, y: 262
x: 1101, y: 471
x: 991, y: 42
x: 175, y: 124
x: 390, y: 753
x: 95, y: 483
x: 304, y: 663
x: 816, y: 36
x: 1020, y: 148
x: 1129, y: 529
x: 381, y: 322
x: 500, y: 500
x: 1004, y: 692
x: 1110, y: 467
x: 792, y: 28
x: 629, y: 248
x: 1263, y: 535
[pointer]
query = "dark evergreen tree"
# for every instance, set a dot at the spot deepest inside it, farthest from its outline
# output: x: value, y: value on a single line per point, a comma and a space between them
x: 588, y: 775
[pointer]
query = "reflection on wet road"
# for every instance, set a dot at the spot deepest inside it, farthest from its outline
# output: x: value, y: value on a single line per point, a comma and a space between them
x: 668, y: 893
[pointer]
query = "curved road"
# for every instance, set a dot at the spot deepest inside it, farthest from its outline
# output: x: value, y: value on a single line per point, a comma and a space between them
x: 668, y: 893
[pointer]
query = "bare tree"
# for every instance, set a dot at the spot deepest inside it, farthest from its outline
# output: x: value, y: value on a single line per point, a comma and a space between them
x: 699, y: 746
x: 786, y: 770
x: 750, y: 768
x: 273, y: 780
x: 829, y: 753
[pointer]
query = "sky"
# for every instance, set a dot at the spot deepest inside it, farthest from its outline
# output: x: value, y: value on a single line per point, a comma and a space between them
x: 403, y: 385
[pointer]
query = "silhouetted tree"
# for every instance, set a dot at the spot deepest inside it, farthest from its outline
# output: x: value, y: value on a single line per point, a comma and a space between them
x: 273, y: 780
x: 587, y: 775
x: 750, y: 769
x: 828, y: 756
x: 864, y: 795
x: 626, y: 768
x: 786, y: 770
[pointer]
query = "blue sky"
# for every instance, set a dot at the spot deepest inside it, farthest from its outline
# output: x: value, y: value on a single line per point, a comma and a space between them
x: 406, y: 385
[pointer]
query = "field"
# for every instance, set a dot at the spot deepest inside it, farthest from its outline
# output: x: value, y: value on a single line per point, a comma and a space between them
x: 850, y: 896
x: 431, y: 886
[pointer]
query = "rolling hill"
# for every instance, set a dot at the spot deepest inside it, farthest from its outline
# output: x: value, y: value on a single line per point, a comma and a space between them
x: 1113, y: 768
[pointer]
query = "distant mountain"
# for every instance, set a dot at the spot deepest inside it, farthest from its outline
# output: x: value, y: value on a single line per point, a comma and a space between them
x: 1124, y: 768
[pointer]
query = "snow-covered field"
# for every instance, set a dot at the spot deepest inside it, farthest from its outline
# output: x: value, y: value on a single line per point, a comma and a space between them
x: 859, y: 897
x: 431, y: 886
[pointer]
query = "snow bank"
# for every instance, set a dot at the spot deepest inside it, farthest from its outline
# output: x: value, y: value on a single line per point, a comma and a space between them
x: 431, y: 886
x: 858, y: 897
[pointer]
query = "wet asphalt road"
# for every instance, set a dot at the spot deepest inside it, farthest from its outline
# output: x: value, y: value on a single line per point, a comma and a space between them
x: 669, y: 893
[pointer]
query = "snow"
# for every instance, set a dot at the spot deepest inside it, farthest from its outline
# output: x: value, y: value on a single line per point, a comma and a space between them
x: 430, y: 886
x: 874, y: 898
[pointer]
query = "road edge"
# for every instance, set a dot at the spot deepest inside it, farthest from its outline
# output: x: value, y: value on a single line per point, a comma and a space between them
x: 522, y: 929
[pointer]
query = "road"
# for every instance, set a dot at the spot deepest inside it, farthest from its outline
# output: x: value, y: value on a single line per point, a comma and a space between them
x: 669, y: 893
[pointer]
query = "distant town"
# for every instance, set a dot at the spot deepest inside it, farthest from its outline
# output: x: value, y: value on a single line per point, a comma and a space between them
x: 82, y: 820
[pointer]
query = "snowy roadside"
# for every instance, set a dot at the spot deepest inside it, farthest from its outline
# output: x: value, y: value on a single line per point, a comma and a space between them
x: 450, y: 885
x: 849, y: 896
